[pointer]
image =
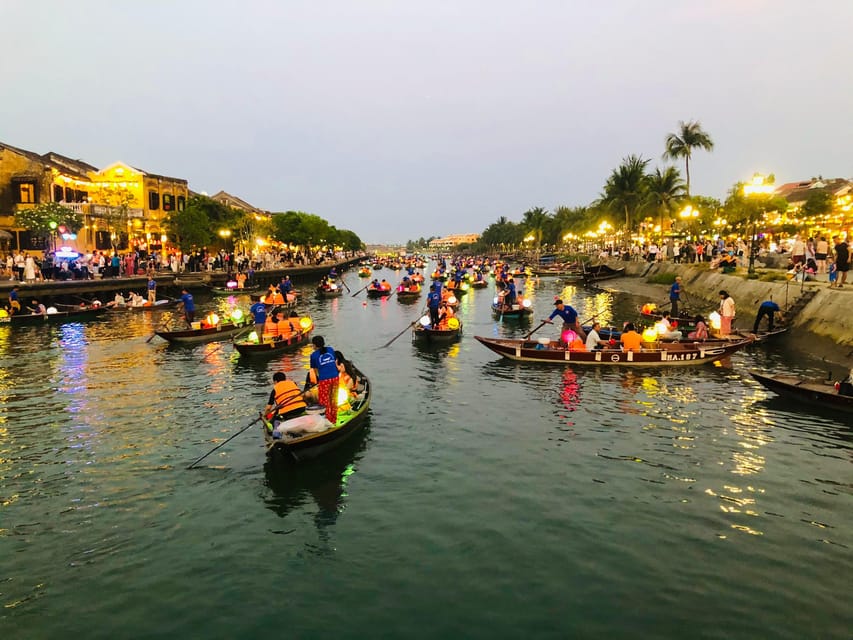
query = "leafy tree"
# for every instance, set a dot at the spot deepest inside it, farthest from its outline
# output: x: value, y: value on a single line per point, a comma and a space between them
x: 349, y: 240
x: 665, y: 190
x: 690, y: 136
x: 535, y: 222
x: 818, y: 203
x: 626, y: 189
x: 47, y: 217
x: 741, y: 210
x: 191, y: 227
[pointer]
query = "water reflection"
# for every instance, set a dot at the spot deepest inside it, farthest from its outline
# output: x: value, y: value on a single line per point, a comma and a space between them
x: 321, y: 484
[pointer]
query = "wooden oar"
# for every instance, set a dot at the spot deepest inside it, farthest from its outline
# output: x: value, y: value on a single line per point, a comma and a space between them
x: 362, y: 289
x: 345, y: 284
x: 251, y: 424
x: 541, y: 324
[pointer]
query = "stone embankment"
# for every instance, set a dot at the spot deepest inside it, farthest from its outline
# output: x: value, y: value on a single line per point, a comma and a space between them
x: 824, y: 312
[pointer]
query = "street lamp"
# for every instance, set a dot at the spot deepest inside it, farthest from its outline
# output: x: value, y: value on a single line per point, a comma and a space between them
x: 757, y: 188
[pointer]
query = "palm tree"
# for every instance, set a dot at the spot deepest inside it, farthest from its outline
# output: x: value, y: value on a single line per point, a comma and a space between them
x: 625, y: 189
x: 665, y: 190
x: 534, y: 222
x: 680, y: 145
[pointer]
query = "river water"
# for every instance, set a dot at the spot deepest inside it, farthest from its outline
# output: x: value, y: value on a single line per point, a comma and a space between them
x: 484, y: 499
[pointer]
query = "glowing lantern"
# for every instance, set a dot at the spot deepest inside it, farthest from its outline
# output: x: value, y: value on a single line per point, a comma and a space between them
x: 231, y: 284
x: 495, y: 300
x: 451, y: 300
x: 343, y: 396
x: 424, y: 321
x: 333, y: 287
x: 714, y: 317
x: 212, y: 319
x: 253, y: 337
x: 453, y: 323
x: 526, y: 303
x: 649, y: 307
x: 237, y: 315
x: 464, y: 286
x: 305, y: 322
x: 568, y: 336
x: 650, y: 335
x: 4, y: 313
x: 51, y: 310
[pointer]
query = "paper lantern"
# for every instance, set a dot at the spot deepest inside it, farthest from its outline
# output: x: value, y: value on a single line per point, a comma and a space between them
x: 714, y: 317
x: 650, y: 335
x: 424, y: 321
x: 305, y: 322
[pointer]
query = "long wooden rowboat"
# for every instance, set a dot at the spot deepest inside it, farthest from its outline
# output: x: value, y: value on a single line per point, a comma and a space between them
x: 408, y: 295
x: 796, y: 389
x: 435, y: 336
x: 234, y: 291
x: 302, y: 447
x: 160, y: 305
x: 70, y: 315
x: 249, y: 348
x: 669, y: 354
x: 221, y: 331
x: 378, y: 293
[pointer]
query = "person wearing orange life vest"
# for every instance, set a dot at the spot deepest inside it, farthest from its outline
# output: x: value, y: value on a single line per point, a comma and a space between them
x: 287, y: 326
x: 271, y: 326
x: 285, y: 398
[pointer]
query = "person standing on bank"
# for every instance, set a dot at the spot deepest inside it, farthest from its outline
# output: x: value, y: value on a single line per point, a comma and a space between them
x: 727, y: 312
x: 675, y: 296
x: 842, y: 261
x: 767, y: 308
x: 324, y: 369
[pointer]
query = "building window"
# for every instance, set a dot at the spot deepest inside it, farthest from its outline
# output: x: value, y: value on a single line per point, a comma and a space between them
x: 168, y: 202
x: 26, y: 193
x: 153, y: 200
x: 182, y: 203
x: 58, y: 193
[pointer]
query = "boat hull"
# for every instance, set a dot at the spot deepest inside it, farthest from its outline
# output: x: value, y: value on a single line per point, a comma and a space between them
x: 198, y: 336
x: 261, y: 349
x: 435, y: 336
x: 378, y: 293
x: 815, y: 394
x: 315, y: 444
x: 521, y: 312
x: 670, y: 354
x: 330, y: 293
x: 54, y: 318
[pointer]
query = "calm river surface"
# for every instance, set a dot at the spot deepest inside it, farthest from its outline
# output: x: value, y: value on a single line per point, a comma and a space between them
x: 485, y: 499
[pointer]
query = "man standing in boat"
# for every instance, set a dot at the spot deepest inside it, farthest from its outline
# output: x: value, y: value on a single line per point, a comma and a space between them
x: 325, y: 371
x: 188, y: 305
x: 152, y: 290
x: 569, y: 316
x: 433, y: 304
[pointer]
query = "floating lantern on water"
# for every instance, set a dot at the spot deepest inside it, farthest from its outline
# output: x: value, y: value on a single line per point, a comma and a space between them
x: 714, y: 317
x: 650, y: 335
x: 305, y: 322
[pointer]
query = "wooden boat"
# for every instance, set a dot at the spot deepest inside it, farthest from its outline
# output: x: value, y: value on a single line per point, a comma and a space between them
x: 221, y: 331
x: 302, y: 447
x: 685, y: 321
x: 762, y: 336
x: 515, y: 311
x: 444, y: 333
x: 459, y: 291
x: 408, y: 295
x: 821, y: 394
x: 600, y: 272
x: 479, y: 284
x: 436, y: 275
x: 378, y: 293
x: 364, y: 272
x: 668, y: 354
x: 252, y: 348
x: 76, y: 314
x: 334, y: 291
x: 234, y: 291
x: 159, y: 305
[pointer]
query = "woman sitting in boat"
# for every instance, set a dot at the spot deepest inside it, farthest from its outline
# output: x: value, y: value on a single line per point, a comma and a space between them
x: 701, y: 332
x: 445, y: 312
x: 285, y: 398
x: 136, y: 300
x: 666, y: 329
x: 271, y: 326
x: 287, y: 326
x: 347, y: 374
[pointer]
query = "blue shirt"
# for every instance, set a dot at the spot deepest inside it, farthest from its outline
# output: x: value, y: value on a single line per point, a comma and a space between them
x: 769, y: 305
x: 152, y: 284
x: 323, y: 360
x: 567, y: 313
x: 259, y: 312
x: 434, y: 299
x: 286, y: 286
x: 13, y: 295
x: 674, y: 291
x: 187, y: 299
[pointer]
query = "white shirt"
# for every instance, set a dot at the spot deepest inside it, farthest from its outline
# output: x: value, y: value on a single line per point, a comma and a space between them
x: 592, y: 339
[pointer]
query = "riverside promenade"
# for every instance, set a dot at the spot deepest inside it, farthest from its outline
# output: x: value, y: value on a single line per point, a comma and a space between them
x: 168, y: 283
x: 817, y: 309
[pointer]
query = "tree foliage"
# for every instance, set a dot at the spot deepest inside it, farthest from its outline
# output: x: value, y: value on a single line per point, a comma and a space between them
x: 689, y: 136
x: 46, y: 217
x: 818, y: 203
x: 626, y: 190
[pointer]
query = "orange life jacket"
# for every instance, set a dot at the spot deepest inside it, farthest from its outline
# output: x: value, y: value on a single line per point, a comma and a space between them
x: 270, y: 327
x: 277, y: 298
x: 288, y: 396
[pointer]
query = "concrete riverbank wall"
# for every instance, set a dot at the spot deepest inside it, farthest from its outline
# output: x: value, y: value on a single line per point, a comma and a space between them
x: 828, y: 312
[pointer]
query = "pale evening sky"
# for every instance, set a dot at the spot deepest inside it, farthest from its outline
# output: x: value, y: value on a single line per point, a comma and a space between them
x: 400, y: 119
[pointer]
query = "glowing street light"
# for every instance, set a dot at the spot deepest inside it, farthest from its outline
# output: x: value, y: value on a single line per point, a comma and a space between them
x: 758, y: 187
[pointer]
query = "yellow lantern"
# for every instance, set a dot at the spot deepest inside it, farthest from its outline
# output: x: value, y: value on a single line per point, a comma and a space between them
x: 305, y: 322
x: 650, y: 335
x: 714, y: 317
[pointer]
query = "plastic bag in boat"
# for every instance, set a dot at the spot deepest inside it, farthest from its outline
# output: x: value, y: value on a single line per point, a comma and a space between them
x: 309, y: 423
